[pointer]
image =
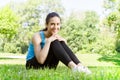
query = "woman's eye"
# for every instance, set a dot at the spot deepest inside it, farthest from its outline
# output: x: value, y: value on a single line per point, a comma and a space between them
x: 52, y: 23
x: 57, y: 23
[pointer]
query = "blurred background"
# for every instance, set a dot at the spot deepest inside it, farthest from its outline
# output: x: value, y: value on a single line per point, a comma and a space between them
x: 89, y: 26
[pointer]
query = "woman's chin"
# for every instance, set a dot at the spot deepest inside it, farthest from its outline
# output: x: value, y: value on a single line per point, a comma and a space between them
x: 54, y: 32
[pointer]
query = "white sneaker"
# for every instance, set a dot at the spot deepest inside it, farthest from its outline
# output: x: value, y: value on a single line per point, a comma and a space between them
x: 82, y: 69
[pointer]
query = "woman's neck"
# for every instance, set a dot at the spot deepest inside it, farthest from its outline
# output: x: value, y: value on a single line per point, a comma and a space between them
x: 47, y: 34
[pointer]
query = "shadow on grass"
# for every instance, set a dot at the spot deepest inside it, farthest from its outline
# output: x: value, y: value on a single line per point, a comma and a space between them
x: 115, y: 59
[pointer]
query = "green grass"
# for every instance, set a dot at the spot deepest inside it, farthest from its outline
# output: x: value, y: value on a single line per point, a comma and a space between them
x: 102, y: 67
x: 18, y: 72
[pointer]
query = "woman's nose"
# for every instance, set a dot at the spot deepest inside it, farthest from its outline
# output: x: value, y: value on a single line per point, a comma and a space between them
x: 55, y: 26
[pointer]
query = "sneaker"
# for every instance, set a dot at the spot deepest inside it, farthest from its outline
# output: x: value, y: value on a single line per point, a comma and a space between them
x: 82, y: 69
x: 75, y: 69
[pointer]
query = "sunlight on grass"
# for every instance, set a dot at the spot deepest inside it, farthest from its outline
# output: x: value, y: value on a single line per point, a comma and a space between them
x: 86, y: 59
x: 9, y: 58
x: 92, y: 60
x: 61, y: 73
x: 12, y: 61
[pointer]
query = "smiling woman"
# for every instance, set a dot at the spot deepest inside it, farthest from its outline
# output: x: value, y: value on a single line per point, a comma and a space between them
x: 47, y: 48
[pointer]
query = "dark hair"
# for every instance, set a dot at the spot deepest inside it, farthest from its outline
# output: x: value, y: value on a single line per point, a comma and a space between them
x: 49, y: 16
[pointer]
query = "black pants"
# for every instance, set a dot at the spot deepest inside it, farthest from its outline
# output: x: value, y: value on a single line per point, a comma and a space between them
x: 58, y: 51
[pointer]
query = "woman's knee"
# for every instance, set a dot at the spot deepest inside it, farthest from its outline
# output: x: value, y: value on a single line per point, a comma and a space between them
x: 55, y: 43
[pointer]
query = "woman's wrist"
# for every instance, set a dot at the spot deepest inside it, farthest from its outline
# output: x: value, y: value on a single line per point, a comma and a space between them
x: 48, y: 41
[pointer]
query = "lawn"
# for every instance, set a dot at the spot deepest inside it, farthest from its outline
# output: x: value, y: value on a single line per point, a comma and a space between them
x: 12, y: 67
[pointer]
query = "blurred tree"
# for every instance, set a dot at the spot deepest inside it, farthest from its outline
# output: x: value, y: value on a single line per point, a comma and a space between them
x: 112, y: 7
x: 8, y: 23
x: 32, y: 15
x: 33, y: 12
x: 82, y: 30
x: 91, y: 18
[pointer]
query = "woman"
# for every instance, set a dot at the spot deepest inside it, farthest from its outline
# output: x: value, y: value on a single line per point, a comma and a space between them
x: 47, y: 48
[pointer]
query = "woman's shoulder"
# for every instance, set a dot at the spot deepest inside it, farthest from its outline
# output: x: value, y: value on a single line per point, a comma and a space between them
x: 36, y: 37
x: 37, y: 34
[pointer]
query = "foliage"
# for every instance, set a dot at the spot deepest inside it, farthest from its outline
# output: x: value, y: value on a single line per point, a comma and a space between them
x: 105, y: 44
x: 23, y: 41
x: 109, y: 4
x: 82, y: 32
x: 10, y: 47
x: 8, y: 22
x: 91, y: 19
x: 113, y: 18
x: 8, y: 28
x: 34, y: 12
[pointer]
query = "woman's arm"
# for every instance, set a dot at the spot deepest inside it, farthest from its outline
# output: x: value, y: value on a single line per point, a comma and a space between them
x: 41, y: 54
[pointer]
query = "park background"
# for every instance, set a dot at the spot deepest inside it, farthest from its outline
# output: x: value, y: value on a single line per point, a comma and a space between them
x: 92, y: 31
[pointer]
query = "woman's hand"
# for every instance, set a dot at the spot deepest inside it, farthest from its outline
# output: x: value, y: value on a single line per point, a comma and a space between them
x: 60, y: 38
x: 52, y: 38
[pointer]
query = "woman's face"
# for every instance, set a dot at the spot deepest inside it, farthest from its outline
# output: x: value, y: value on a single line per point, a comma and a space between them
x: 54, y: 25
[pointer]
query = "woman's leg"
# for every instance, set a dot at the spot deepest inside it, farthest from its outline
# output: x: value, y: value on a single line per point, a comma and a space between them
x: 70, y: 53
x: 51, y: 60
x: 61, y: 54
x: 79, y: 67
